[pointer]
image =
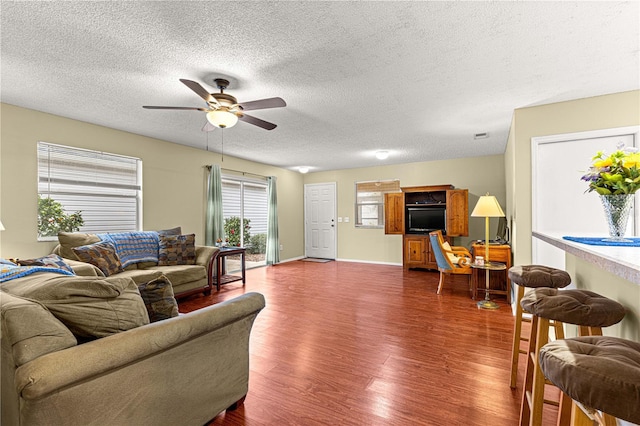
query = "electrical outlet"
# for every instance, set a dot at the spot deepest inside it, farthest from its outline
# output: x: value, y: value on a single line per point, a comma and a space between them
x: 281, y: 247
x: 339, y: 219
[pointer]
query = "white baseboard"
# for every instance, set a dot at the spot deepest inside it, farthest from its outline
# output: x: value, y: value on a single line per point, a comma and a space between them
x: 369, y: 261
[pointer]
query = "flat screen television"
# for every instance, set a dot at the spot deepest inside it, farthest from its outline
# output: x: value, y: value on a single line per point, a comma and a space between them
x: 421, y: 220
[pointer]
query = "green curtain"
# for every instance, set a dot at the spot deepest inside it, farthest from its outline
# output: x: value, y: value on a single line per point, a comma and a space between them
x: 214, y: 219
x: 273, y: 243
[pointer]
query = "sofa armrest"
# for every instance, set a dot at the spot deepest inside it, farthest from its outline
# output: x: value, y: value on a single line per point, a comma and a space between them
x: 204, y: 255
x: 56, y: 371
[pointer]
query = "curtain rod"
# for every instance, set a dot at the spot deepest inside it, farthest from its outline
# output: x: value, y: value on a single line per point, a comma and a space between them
x: 239, y: 171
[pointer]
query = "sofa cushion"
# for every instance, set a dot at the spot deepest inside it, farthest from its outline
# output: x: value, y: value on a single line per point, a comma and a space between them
x: 52, y: 261
x: 181, y: 274
x: 173, y: 231
x: 159, y: 299
x: 141, y: 276
x: 177, y: 250
x: 89, y: 307
x: 102, y: 254
x: 69, y: 240
x: 134, y: 247
x: 31, y: 330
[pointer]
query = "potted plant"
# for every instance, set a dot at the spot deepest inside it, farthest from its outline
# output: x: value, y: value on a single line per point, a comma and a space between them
x: 616, y: 178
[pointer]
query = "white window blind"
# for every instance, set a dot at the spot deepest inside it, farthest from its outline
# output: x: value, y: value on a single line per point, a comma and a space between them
x: 370, y: 202
x: 105, y: 188
x: 246, y: 199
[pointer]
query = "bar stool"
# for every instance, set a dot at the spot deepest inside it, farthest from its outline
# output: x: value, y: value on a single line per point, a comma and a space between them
x: 600, y: 373
x: 589, y: 310
x: 531, y: 276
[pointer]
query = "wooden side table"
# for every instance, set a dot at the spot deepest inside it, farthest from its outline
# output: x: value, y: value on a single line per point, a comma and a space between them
x: 222, y: 277
x: 501, y: 284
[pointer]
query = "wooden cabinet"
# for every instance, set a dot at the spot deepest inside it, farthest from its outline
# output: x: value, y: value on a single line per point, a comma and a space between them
x: 457, y: 212
x: 417, y: 252
x: 416, y: 247
x: 394, y: 213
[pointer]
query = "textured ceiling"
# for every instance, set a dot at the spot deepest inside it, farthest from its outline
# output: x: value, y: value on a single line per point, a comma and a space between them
x: 418, y: 79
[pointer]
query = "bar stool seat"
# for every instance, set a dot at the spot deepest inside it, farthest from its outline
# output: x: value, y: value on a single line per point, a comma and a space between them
x: 581, y: 307
x: 599, y: 372
x: 589, y: 310
x: 532, y: 276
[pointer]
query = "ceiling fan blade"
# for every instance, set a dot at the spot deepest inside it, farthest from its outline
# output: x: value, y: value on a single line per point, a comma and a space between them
x: 263, y: 104
x: 200, y: 91
x: 256, y: 122
x: 172, y: 107
x: 208, y: 127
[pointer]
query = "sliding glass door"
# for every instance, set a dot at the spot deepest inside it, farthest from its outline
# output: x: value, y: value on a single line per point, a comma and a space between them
x: 244, y: 206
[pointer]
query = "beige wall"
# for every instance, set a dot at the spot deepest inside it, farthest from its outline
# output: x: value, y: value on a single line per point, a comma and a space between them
x: 590, y: 277
x: 477, y: 174
x: 601, y: 112
x: 174, y: 180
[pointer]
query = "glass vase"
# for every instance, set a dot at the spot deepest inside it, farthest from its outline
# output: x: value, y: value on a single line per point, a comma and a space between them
x: 616, y: 210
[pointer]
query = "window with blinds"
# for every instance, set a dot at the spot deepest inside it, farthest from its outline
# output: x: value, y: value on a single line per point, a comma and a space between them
x: 106, y: 189
x: 370, y: 202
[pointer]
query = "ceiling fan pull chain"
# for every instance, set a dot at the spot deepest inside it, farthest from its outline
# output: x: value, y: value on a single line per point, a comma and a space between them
x: 222, y: 148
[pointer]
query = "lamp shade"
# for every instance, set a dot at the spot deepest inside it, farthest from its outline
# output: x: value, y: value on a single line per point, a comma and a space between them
x: 222, y: 119
x: 487, y: 206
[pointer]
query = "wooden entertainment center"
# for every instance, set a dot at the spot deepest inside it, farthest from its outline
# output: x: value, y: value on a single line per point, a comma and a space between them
x: 427, y: 205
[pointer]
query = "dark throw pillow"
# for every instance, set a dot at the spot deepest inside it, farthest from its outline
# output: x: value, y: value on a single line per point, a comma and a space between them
x: 177, y: 250
x: 159, y: 299
x: 50, y: 261
x: 102, y: 254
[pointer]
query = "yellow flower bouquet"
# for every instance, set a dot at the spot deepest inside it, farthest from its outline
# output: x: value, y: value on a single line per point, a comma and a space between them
x: 615, y: 174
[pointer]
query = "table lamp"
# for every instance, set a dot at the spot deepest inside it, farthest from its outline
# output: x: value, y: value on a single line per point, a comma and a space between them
x: 487, y: 207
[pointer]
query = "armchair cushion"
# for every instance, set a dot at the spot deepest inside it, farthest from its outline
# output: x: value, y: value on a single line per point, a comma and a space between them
x: 452, y: 257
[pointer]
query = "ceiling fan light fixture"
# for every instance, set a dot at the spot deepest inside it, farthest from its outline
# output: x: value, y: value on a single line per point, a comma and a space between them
x: 222, y: 118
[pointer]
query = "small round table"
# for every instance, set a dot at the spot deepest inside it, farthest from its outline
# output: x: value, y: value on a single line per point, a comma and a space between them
x: 487, y: 266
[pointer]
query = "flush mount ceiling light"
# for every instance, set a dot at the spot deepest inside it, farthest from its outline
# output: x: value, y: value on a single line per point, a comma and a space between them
x: 303, y: 169
x: 222, y: 118
x: 382, y: 155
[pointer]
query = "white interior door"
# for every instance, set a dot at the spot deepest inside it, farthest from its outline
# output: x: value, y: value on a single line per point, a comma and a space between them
x: 560, y: 205
x: 320, y: 220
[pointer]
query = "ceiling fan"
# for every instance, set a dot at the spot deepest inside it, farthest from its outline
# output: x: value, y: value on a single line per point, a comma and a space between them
x: 223, y: 110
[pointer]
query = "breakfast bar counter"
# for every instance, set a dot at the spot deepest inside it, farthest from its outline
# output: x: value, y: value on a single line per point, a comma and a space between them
x: 611, y: 271
x: 621, y: 261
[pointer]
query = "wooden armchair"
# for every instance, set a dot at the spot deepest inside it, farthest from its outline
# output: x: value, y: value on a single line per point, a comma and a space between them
x: 450, y: 260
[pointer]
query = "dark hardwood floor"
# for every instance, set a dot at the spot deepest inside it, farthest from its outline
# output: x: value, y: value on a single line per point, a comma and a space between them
x: 344, y: 343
